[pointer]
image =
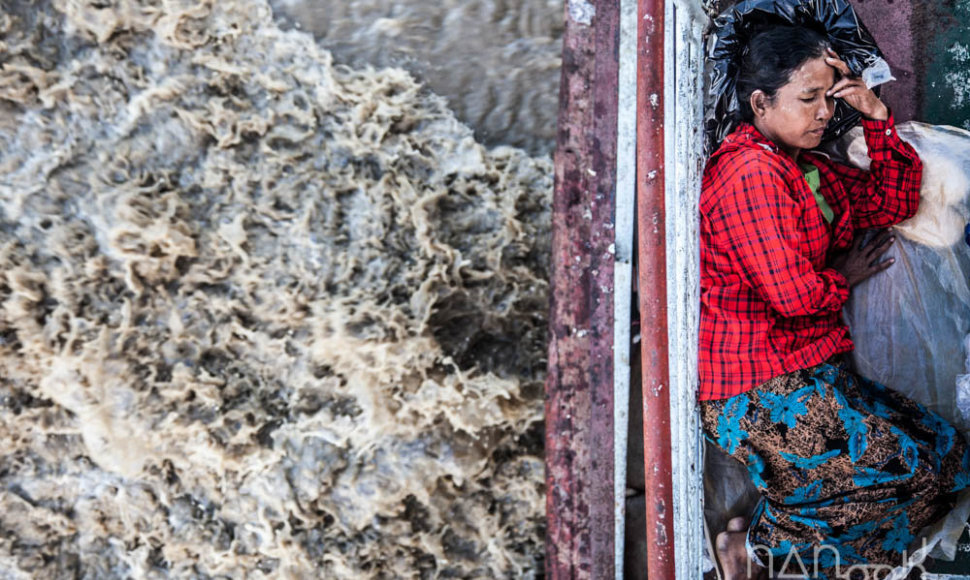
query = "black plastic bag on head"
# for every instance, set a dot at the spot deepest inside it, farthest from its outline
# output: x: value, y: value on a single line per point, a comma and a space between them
x: 731, y: 31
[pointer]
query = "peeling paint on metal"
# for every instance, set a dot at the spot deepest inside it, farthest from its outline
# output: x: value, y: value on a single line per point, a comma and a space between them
x: 958, y: 80
x: 582, y: 11
x: 661, y: 532
x: 946, y: 99
x: 579, y: 388
x: 960, y: 52
x: 684, y: 162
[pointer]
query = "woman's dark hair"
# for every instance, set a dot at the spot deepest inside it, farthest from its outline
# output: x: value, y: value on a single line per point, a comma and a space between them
x: 770, y: 58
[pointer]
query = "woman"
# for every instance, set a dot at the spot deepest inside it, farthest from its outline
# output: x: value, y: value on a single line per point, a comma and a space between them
x: 849, y: 470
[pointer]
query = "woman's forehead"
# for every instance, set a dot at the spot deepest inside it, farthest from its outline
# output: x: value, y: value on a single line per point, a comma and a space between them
x: 813, y: 75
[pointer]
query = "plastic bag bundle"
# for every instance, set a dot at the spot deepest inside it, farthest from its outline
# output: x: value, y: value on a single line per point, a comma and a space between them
x: 729, y: 38
x: 910, y: 324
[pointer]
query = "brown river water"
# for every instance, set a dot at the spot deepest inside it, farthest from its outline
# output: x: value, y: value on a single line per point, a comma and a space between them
x: 268, y: 310
x: 496, y: 62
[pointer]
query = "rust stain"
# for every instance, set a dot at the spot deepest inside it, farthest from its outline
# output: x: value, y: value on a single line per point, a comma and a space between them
x: 652, y: 271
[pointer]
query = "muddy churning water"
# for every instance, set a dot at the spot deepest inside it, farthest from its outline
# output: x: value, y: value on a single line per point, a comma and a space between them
x: 260, y: 315
x: 496, y: 61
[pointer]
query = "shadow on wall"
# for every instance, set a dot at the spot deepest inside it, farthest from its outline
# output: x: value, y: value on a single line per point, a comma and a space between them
x: 496, y: 61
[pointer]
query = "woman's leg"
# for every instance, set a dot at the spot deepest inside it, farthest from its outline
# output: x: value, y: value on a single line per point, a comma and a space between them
x: 732, y: 553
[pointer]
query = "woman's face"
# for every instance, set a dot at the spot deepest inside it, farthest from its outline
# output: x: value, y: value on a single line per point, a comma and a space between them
x: 798, y: 114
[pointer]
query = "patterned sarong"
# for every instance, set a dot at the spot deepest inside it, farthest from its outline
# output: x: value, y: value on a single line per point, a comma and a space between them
x: 849, y: 470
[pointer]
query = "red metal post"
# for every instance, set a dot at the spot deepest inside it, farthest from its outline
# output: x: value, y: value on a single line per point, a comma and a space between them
x: 652, y: 272
x: 579, y: 387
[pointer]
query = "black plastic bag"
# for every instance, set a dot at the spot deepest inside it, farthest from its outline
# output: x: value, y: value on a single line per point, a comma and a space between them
x: 731, y: 31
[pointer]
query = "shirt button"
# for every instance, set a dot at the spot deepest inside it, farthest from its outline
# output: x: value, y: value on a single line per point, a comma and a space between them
x: 889, y: 132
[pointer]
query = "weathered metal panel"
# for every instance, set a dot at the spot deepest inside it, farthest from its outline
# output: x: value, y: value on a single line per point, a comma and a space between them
x: 579, y: 387
x: 684, y: 110
x: 626, y: 147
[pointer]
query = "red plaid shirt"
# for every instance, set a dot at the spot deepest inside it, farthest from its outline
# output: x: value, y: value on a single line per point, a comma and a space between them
x: 769, y: 303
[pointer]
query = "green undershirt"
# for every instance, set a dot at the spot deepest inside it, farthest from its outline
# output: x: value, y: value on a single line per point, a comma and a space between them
x: 814, y: 181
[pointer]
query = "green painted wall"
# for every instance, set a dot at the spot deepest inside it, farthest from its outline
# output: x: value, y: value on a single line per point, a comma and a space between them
x: 946, y: 84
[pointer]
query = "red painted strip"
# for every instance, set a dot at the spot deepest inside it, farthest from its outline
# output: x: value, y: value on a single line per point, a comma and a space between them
x: 652, y: 272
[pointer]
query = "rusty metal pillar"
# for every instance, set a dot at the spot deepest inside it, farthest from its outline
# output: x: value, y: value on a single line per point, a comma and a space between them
x: 579, y: 388
x: 652, y: 272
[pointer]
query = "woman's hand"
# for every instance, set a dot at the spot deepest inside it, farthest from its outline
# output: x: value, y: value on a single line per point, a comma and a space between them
x: 854, y: 91
x: 859, y: 263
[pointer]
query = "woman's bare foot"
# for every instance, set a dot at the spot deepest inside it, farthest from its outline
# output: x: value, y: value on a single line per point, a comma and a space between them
x: 733, y: 555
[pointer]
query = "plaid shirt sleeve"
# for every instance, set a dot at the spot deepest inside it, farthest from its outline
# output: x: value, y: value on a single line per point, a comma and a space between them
x: 757, y: 224
x: 889, y: 192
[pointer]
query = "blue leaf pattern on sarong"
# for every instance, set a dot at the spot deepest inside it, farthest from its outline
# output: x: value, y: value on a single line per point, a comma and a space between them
x: 854, y: 427
x: 787, y: 408
x: 810, y: 462
x: 783, y: 548
x: 830, y: 553
x: 944, y: 431
x: 898, y: 538
x: 901, y: 506
x: 729, y: 428
x: 828, y: 373
x: 867, y: 476
x: 858, y: 531
x: 819, y: 387
x: 770, y: 514
x: 873, y: 407
x: 810, y: 492
x: 962, y: 479
x: 907, y: 448
x: 756, y: 466
x: 881, y: 410
x: 827, y: 557
x: 814, y: 523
